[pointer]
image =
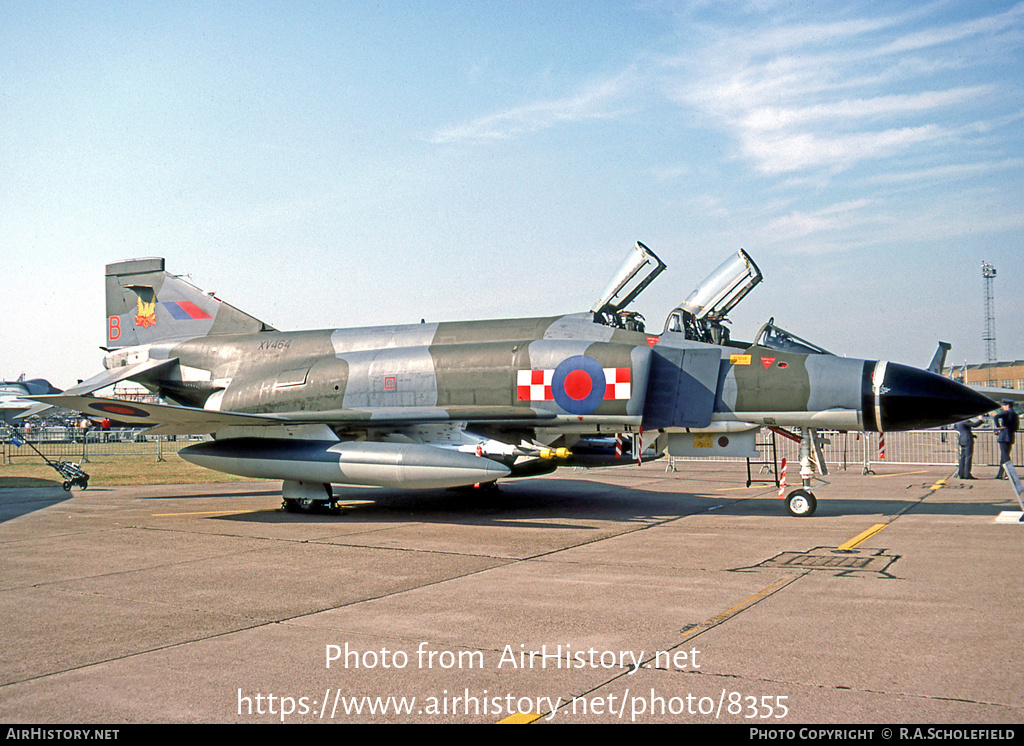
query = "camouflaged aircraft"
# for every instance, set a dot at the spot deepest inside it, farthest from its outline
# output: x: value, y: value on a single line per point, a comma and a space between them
x: 13, y: 401
x: 453, y: 404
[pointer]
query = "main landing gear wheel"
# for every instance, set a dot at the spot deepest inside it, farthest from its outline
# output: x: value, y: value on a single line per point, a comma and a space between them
x: 307, y: 497
x: 304, y: 505
x: 801, y: 503
x: 300, y: 505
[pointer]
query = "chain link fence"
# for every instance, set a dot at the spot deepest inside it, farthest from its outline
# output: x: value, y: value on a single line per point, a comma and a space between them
x: 937, y: 447
x: 844, y: 449
x: 74, y: 444
x: 914, y: 447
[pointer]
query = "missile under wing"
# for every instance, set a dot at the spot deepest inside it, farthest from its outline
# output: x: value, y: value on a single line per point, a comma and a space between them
x: 451, y: 404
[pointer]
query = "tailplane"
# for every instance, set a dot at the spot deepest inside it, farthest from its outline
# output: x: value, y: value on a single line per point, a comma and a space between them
x: 146, y: 304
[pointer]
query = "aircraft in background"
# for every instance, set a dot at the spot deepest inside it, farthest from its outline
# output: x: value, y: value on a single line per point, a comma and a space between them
x: 14, y: 401
x: 453, y: 404
x: 996, y: 393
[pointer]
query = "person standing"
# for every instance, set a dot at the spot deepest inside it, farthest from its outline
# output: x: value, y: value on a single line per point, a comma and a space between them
x: 966, y: 440
x: 1007, y: 423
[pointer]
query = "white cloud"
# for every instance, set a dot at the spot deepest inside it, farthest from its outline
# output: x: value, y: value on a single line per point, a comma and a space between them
x: 850, y: 110
x: 933, y: 37
x: 831, y: 219
x: 599, y: 100
x: 799, y: 151
x: 826, y: 97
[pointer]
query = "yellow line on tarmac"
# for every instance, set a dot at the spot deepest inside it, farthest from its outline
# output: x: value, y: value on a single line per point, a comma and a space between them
x: 207, y: 512
x: 901, y: 474
x: 863, y: 535
x: 736, y: 609
x: 691, y: 632
x: 520, y: 718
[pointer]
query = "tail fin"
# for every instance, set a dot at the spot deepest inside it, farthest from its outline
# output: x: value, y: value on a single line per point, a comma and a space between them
x: 146, y: 304
x: 939, y: 358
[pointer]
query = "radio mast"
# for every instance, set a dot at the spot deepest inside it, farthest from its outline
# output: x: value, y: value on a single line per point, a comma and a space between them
x: 988, y: 272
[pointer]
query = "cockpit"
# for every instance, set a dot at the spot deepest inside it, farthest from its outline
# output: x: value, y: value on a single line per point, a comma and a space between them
x: 776, y: 338
x: 636, y: 272
x: 702, y: 316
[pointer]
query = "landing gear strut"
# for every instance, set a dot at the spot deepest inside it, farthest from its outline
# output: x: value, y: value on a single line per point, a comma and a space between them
x: 801, y: 502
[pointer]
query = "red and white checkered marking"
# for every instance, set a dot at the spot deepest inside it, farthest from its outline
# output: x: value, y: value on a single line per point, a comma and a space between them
x: 535, y: 385
x: 617, y: 383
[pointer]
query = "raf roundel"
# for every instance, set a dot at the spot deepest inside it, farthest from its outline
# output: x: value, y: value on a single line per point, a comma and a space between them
x: 118, y: 410
x: 578, y: 384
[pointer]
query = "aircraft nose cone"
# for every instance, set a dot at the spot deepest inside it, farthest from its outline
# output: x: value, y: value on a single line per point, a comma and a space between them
x: 910, y: 399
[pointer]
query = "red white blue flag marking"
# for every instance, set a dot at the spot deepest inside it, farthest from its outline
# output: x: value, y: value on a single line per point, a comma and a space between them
x: 184, y: 309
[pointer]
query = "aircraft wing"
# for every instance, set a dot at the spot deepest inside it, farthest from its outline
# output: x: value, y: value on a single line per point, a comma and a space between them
x: 175, y: 420
x: 97, y: 382
x: 178, y: 420
x: 997, y: 394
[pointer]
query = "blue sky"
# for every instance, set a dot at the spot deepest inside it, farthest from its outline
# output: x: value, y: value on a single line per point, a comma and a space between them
x: 359, y: 163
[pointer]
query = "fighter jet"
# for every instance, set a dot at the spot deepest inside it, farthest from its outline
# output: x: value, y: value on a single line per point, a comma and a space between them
x: 453, y: 404
x: 13, y: 396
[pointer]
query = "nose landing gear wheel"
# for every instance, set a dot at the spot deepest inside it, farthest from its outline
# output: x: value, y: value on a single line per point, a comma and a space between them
x: 801, y: 503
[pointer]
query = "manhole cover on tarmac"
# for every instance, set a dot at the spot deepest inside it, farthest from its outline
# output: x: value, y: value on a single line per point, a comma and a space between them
x: 851, y: 562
